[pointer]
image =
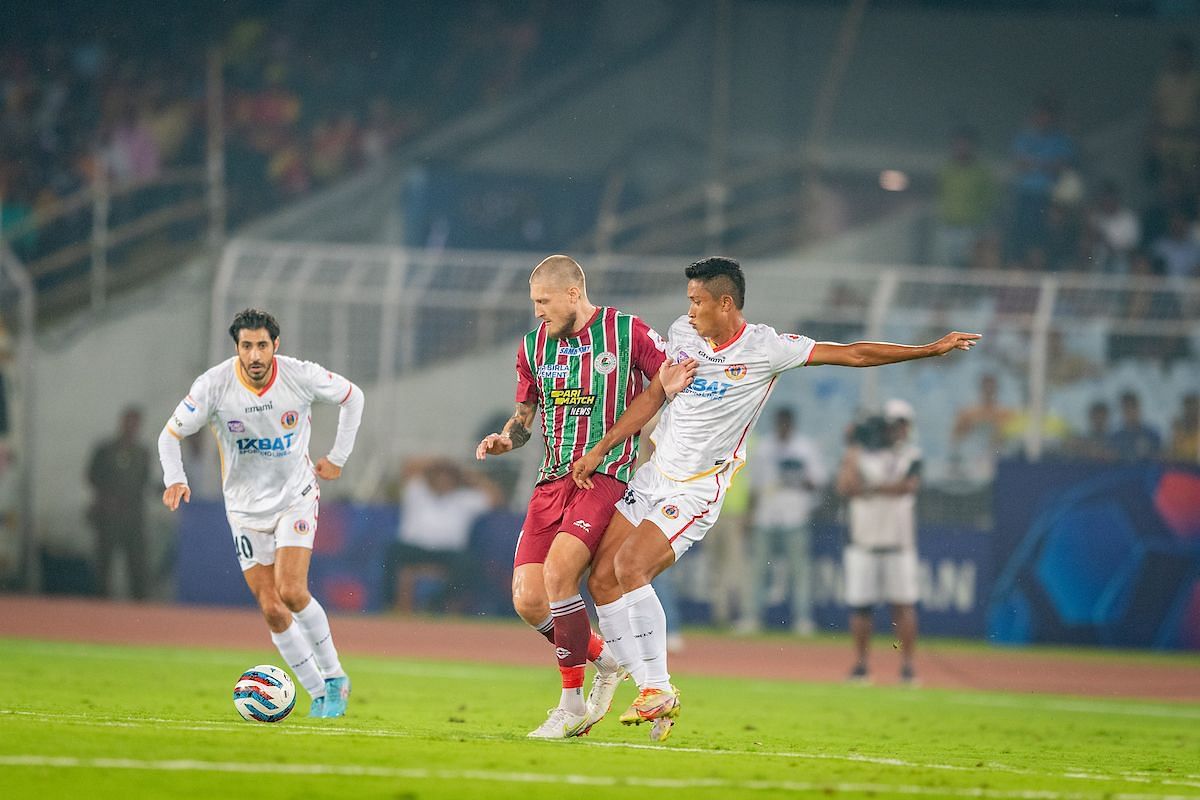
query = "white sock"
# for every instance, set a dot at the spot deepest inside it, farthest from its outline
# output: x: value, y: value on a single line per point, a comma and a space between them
x: 572, y: 700
x: 648, y: 622
x: 315, y: 625
x: 618, y: 637
x: 298, y: 654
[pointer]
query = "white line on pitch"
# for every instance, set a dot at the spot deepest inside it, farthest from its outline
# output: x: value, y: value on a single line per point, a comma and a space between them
x: 1082, y: 706
x: 324, y: 730
x: 367, y: 771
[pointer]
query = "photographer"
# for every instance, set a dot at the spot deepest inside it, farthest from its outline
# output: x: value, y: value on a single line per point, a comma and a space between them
x: 880, y: 474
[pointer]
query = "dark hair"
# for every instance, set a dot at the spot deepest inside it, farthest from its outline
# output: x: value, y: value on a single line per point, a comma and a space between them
x: 252, y: 319
x: 719, y: 269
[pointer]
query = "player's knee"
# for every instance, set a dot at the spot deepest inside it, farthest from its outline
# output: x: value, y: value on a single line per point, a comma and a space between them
x: 530, y: 607
x: 294, y: 595
x: 603, y: 585
x: 562, y: 581
x: 630, y: 571
x: 276, y: 613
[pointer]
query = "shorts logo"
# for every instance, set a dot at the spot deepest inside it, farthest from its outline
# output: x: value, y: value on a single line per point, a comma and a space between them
x: 236, y: 426
x: 670, y: 512
x: 290, y: 419
x: 605, y: 363
x: 579, y: 523
x: 562, y: 652
x: 736, y: 372
x: 301, y: 527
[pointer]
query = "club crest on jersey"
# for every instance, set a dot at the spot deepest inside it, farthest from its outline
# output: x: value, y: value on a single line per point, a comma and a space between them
x: 236, y: 426
x: 605, y: 363
x: 735, y: 372
x: 301, y: 527
x: 290, y: 419
x: 670, y: 512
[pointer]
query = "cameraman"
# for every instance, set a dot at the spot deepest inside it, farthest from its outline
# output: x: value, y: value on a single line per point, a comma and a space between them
x: 880, y: 474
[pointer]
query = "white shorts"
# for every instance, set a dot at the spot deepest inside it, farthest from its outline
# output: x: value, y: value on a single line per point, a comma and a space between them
x: 683, y: 510
x: 257, y: 538
x: 880, y: 577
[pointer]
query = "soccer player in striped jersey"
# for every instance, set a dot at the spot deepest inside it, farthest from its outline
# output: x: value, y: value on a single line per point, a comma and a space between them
x: 257, y: 406
x: 700, y: 444
x: 581, y: 367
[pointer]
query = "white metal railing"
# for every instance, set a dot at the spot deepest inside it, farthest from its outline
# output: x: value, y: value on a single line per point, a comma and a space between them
x: 14, y: 276
x: 381, y: 312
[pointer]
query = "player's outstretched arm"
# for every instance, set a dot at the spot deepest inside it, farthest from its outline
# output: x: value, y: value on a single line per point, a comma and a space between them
x: 516, y: 433
x: 874, y: 354
x: 670, y: 380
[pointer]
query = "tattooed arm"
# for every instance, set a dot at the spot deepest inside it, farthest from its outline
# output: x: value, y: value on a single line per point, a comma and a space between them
x: 516, y: 433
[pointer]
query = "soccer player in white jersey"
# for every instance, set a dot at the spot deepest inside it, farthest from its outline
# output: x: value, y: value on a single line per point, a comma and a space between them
x: 700, y: 444
x: 257, y: 405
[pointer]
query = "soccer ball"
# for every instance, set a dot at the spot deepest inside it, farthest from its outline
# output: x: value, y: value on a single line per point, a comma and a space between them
x: 264, y: 694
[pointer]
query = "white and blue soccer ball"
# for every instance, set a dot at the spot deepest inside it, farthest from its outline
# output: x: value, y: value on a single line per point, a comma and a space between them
x: 264, y: 694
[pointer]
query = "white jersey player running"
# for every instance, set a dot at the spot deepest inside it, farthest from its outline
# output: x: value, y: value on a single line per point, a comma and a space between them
x: 700, y: 444
x: 257, y: 405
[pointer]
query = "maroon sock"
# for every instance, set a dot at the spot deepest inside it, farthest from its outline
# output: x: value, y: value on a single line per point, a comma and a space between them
x: 572, y: 634
x: 547, y: 629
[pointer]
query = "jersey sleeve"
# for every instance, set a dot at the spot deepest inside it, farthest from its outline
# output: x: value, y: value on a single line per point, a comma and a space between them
x: 326, y: 386
x: 788, y: 350
x: 676, y: 335
x: 648, y: 349
x: 527, y: 386
x: 193, y: 411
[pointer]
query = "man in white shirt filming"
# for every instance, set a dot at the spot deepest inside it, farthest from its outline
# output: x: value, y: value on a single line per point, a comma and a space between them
x: 880, y: 474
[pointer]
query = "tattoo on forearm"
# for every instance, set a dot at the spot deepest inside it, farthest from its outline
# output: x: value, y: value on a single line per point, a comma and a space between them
x: 517, y: 427
x: 517, y: 432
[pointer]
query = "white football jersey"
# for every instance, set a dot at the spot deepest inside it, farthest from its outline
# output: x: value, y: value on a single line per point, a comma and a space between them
x: 706, y: 426
x: 262, y: 434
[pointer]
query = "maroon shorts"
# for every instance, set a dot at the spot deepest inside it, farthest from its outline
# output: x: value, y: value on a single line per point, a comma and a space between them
x: 560, y: 505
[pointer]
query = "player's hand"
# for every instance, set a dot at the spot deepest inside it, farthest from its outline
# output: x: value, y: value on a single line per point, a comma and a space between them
x: 493, y: 444
x: 956, y: 341
x: 581, y: 470
x: 176, y: 492
x: 327, y: 470
x: 677, y: 377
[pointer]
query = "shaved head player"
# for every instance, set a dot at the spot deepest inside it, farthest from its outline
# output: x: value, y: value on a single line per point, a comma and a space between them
x: 578, y: 371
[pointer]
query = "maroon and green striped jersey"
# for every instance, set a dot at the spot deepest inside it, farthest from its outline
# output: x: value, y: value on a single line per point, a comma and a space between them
x: 583, y: 383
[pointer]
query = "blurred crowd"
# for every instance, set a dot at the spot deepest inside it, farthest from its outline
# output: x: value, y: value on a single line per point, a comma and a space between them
x: 1056, y: 214
x: 305, y: 102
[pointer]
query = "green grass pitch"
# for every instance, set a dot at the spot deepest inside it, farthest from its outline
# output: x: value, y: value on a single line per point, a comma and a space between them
x: 87, y: 721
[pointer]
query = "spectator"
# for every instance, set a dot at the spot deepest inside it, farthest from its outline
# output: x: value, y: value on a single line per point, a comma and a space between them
x: 786, y: 477
x: 1175, y: 131
x: 1134, y: 440
x: 966, y: 201
x: 978, y: 434
x: 440, y: 503
x: 1095, y: 444
x: 1043, y: 155
x: 119, y: 473
x: 1114, y: 231
x: 880, y: 477
x: 1185, y: 430
x: 1177, y: 249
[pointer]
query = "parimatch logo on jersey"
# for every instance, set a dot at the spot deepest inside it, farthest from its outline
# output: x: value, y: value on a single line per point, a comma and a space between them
x: 577, y: 403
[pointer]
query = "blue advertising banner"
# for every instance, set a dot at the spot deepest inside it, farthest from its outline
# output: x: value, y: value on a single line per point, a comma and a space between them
x: 349, y: 556
x: 1097, y: 554
x: 955, y: 578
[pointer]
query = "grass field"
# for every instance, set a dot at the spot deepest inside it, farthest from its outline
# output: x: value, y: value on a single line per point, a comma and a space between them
x: 102, y: 721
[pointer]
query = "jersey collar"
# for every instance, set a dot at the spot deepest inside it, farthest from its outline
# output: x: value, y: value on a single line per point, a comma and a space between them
x: 716, y: 348
x: 237, y: 368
